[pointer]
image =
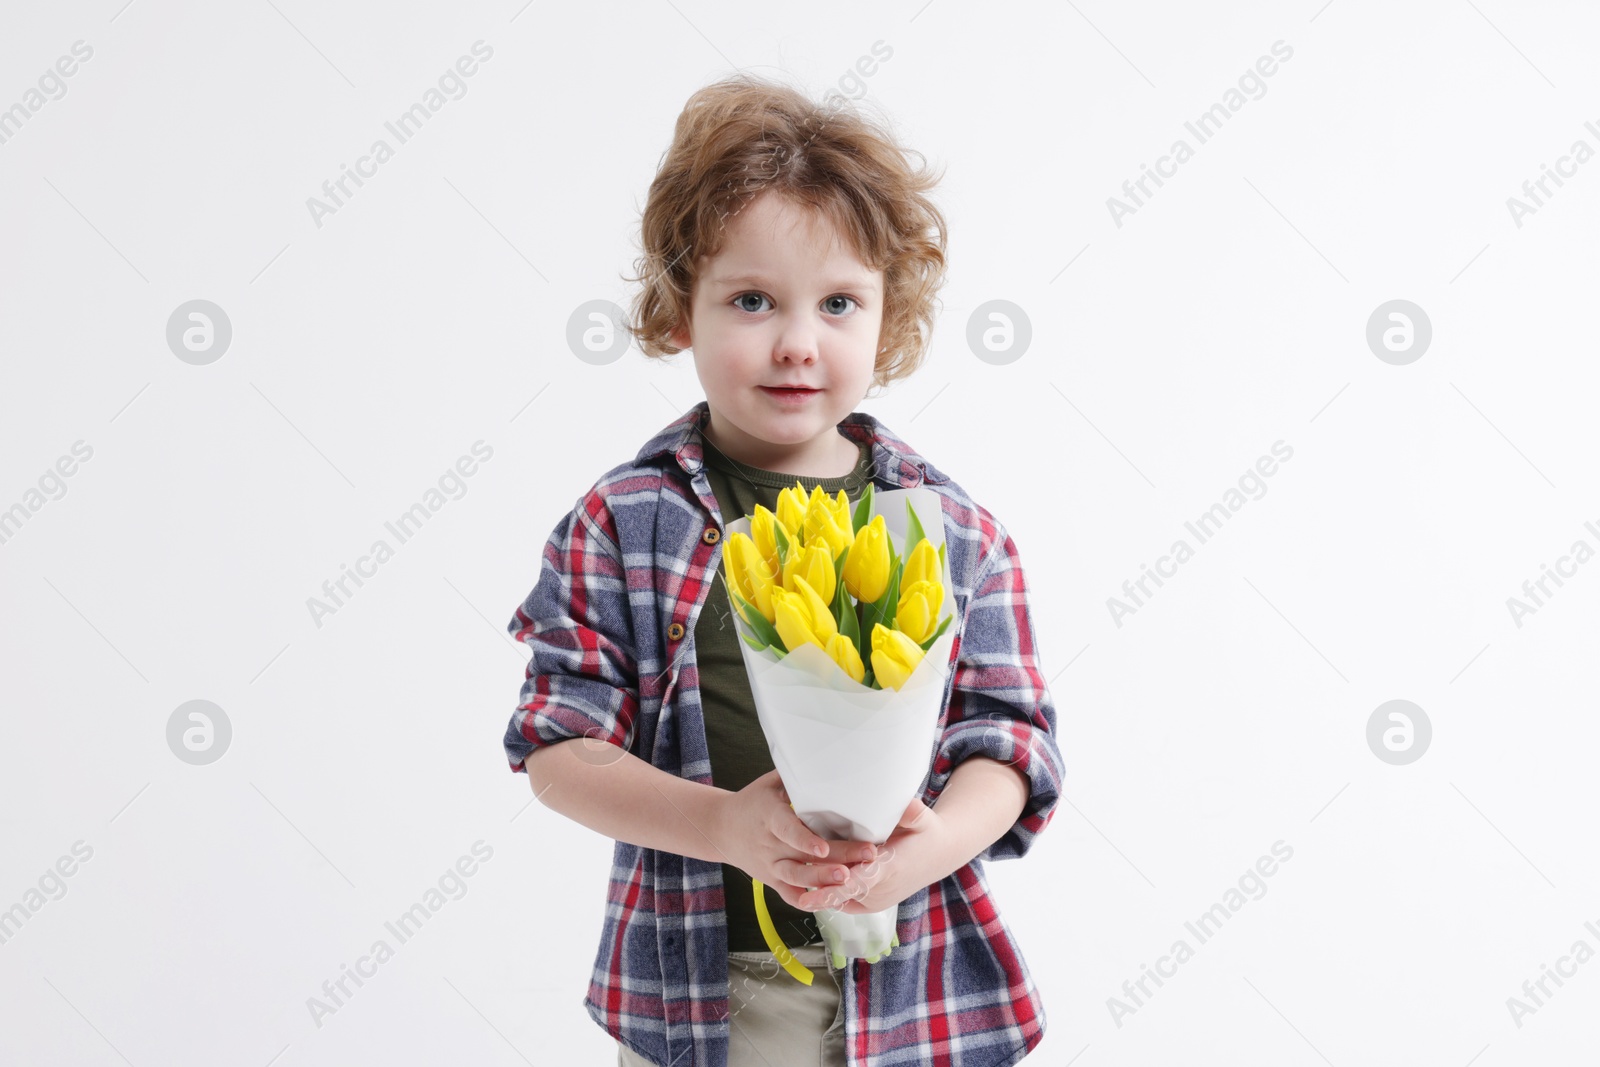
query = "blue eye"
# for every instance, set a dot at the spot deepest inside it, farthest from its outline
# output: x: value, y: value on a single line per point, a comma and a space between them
x: 742, y: 297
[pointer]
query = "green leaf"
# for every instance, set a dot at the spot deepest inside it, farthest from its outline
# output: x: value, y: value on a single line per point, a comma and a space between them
x: 859, y: 635
x: 758, y: 623
x: 914, y: 531
x: 782, y: 537
x: 846, y: 617
x: 863, y: 512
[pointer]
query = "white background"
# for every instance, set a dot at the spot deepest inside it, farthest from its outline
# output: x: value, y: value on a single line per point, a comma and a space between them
x: 1168, y: 355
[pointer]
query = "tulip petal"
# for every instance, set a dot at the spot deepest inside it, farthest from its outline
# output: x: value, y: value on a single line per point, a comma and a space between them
x: 894, y: 657
x: 791, y: 620
x: 842, y: 651
x: 922, y: 565
x: 819, y: 616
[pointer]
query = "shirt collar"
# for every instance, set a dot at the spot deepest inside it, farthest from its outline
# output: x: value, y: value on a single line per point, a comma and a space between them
x: 893, y: 460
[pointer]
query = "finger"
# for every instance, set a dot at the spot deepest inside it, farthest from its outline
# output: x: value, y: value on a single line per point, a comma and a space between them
x: 788, y: 893
x: 810, y: 875
x: 824, y: 897
x: 848, y: 851
x: 797, y: 835
x: 851, y: 895
x: 792, y: 895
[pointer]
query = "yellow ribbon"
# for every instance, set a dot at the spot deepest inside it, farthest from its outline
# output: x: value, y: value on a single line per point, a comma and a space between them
x: 801, y: 972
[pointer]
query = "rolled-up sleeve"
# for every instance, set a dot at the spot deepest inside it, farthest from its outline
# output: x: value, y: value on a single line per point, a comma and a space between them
x: 582, y: 679
x: 1000, y: 706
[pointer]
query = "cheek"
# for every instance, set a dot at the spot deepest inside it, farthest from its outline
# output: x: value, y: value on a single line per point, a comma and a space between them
x: 726, y: 368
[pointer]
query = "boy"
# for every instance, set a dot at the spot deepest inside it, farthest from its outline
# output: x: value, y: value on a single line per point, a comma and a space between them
x: 794, y: 251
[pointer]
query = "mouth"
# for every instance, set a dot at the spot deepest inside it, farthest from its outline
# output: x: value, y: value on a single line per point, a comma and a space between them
x: 780, y: 391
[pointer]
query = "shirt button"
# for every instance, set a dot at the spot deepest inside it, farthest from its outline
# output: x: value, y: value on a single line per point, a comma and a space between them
x: 675, y: 631
x: 711, y: 536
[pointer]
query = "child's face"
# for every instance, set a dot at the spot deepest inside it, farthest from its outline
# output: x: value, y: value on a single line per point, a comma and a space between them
x: 785, y: 301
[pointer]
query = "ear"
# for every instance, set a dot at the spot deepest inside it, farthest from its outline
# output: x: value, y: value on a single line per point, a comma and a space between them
x: 679, y: 336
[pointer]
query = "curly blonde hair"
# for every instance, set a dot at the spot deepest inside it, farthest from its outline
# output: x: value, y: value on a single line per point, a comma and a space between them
x: 743, y: 136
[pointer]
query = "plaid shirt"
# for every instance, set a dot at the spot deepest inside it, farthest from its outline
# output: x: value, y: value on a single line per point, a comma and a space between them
x: 611, y: 625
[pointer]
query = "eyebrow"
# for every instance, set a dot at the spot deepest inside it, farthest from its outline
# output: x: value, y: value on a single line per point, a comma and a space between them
x: 857, y: 282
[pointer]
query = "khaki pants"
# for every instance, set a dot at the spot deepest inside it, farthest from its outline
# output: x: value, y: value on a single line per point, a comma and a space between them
x: 774, y: 1020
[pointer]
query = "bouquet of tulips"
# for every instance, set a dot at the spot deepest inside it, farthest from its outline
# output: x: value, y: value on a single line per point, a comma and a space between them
x: 846, y: 644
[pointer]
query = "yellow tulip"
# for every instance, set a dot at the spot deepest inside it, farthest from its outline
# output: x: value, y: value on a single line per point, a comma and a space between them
x: 766, y: 540
x: 917, y: 615
x: 922, y: 565
x: 866, y: 568
x: 792, y: 511
x: 747, y: 574
x: 828, y: 520
x: 802, y: 617
x: 815, y: 565
x: 839, y: 504
x: 842, y: 651
x: 894, y: 656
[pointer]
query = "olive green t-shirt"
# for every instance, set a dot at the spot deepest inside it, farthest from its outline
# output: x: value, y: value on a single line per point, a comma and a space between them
x: 735, y: 744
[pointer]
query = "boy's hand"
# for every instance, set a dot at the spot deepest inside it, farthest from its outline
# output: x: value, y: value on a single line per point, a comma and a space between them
x: 908, y: 861
x: 761, y: 835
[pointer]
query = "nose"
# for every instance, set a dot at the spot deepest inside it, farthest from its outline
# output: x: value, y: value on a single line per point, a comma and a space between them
x: 796, y: 343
